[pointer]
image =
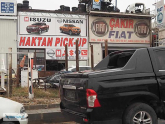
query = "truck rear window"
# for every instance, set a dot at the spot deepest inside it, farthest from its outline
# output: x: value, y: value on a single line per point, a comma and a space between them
x: 115, y: 60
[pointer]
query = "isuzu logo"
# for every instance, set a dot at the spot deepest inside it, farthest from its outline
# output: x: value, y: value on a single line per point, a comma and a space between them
x: 99, y: 27
x: 141, y: 29
x: 31, y: 19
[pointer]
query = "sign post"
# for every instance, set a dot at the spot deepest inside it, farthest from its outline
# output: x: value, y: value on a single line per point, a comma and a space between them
x: 30, y: 75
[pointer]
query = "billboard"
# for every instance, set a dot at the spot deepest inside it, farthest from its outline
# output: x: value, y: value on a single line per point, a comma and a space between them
x: 8, y: 7
x: 40, y: 25
x: 119, y: 30
x: 51, y: 31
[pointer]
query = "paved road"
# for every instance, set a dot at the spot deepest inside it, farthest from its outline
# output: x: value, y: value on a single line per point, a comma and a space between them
x: 52, y: 116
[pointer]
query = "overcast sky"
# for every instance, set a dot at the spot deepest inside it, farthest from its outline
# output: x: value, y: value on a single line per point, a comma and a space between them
x: 55, y: 4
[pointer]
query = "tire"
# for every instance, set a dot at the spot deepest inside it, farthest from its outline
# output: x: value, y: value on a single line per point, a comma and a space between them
x: 137, y: 111
x: 40, y: 31
x: 61, y: 30
x: 7, y: 122
x: 70, y: 32
x: 29, y: 32
x: 47, y: 30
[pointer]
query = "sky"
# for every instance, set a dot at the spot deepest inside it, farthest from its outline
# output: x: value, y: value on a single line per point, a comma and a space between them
x: 55, y: 4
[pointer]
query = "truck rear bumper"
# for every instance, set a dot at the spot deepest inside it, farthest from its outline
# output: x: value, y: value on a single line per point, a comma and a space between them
x: 78, y: 117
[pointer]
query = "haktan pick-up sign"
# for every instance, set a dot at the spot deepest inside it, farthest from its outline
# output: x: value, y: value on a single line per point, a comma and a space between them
x: 55, y: 46
x: 52, y: 33
x: 119, y: 30
x: 51, y: 42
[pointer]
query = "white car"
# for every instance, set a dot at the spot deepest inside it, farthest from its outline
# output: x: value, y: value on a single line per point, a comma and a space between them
x: 12, y: 112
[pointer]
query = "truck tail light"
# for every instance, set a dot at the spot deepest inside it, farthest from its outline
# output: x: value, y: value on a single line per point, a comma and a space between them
x: 92, y: 99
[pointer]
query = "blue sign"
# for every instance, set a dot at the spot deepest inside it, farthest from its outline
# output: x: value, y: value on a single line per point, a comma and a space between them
x: 7, y: 7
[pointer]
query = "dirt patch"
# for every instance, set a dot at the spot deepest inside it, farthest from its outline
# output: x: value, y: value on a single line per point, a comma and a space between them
x: 50, y: 96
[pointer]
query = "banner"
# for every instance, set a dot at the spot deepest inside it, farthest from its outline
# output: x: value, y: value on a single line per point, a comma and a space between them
x: 51, y: 42
x: 43, y: 25
x: 119, y: 30
x: 160, y: 14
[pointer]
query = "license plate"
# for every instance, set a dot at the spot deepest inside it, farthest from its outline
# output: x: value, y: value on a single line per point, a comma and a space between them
x: 71, y: 95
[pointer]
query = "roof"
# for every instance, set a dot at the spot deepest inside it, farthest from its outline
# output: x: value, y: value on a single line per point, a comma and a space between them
x: 120, y: 14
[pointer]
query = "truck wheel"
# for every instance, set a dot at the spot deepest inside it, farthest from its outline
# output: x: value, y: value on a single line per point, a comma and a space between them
x: 47, y: 30
x: 140, y: 113
x: 70, y: 32
x: 61, y: 30
x: 40, y: 31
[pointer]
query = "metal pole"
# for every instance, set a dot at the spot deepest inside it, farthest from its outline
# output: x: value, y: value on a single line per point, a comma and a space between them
x: 92, y: 57
x: 66, y: 57
x: 10, y: 72
x: 30, y: 75
x: 77, y: 56
x: 106, y: 48
x: 18, y: 75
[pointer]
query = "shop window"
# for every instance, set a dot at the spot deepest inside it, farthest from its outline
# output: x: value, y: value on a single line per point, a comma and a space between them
x: 54, y: 65
x: 40, y: 59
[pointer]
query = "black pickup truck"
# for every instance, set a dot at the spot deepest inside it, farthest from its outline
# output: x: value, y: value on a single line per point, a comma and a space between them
x: 127, y: 87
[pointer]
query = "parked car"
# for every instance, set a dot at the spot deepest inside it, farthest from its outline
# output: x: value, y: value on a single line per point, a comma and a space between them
x: 127, y: 87
x: 70, y: 28
x: 12, y: 112
x: 6, y: 76
x: 55, y: 79
x: 37, y: 28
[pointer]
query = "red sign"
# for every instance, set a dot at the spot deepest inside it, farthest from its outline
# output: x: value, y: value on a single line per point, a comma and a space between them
x: 58, y: 53
x: 84, y: 52
x: 26, y: 19
x: 43, y: 42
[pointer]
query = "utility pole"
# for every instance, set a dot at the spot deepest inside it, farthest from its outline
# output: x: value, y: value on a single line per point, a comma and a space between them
x: 77, y: 56
x: 106, y: 48
x: 66, y: 57
x: 10, y: 73
x: 92, y: 58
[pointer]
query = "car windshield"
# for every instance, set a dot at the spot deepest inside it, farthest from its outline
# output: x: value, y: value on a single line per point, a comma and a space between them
x: 72, y: 26
x: 37, y: 24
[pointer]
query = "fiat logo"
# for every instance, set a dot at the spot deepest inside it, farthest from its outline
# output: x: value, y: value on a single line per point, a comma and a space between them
x: 141, y: 29
x: 99, y: 27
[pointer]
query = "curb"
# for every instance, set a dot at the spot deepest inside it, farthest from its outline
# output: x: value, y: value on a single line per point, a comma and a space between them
x: 43, y: 116
x: 46, y: 106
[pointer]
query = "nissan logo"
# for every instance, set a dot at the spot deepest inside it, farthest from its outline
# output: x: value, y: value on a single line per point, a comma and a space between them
x: 59, y: 20
x: 141, y: 29
x: 51, y: 53
x: 99, y: 27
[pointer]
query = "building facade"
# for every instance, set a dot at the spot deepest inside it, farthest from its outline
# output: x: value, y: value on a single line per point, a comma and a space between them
x: 46, y: 34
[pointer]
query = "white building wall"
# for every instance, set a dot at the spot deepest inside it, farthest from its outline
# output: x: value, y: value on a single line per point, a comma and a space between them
x: 97, y: 51
x: 8, y: 33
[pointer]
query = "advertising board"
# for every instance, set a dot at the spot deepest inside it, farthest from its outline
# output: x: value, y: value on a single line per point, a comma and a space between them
x: 52, y: 32
x: 119, y: 30
x: 38, y: 25
x: 8, y: 7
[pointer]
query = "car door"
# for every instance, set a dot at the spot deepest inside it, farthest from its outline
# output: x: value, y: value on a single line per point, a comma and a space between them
x: 158, y: 60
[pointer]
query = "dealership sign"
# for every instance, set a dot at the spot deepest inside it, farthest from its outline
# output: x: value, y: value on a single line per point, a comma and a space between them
x: 46, y: 26
x: 118, y: 30
x: 51, y: 42
x: 59, y: 54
